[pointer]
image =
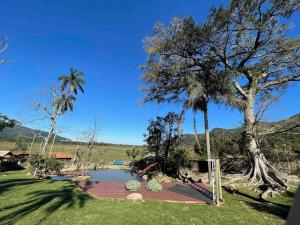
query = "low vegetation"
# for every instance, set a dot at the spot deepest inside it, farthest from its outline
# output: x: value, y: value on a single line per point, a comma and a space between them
x: 132, y: 185
x: 44, y: 166
x: 153, y: 185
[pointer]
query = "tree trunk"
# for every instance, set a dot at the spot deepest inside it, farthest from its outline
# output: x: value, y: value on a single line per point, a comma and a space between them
x: 195, y: 131
x: 207, y: 140
x: 31, y: 145
x: 261, y: 171
x: 53, y: 140
x: 44, y: 147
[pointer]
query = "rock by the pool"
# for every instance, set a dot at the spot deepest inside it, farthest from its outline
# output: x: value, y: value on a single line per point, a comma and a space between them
x: 145, y: 177
x: 135, y: 197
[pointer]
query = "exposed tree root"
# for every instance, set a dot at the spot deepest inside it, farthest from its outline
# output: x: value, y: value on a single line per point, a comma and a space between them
x: 263, y: 173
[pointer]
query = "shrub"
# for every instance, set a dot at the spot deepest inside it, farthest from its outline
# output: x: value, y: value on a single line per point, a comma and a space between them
x: 45, y: 165
x: 153, y: 185
x: 133, y: 185
x: 53, y: 165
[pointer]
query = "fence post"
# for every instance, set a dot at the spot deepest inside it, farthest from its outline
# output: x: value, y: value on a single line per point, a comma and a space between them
x: 217, y: 182
x: 219, y: 179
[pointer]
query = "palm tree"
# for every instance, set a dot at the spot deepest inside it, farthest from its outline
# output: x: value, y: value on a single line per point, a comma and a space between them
x: 197, y: 100
x: 73, y: 81
x: 65, y: 103
x: 69, y: 86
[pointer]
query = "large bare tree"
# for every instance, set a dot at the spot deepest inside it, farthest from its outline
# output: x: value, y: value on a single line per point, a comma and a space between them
x: 249, y: 39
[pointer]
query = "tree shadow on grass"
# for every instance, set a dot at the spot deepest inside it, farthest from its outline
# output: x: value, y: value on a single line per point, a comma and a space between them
x: 47, y: 200
x: 269, y: 208
x: 277, y: 209
x: 9, y: 184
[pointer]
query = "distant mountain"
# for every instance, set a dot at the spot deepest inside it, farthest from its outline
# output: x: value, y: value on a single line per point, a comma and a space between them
x: 188, y: 139
x: 226, y: 141
x: 25, y: 132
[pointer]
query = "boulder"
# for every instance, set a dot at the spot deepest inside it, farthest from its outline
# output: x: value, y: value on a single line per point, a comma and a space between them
x: 186, y: 174
x: 135, y: 197
x: 145, y: 177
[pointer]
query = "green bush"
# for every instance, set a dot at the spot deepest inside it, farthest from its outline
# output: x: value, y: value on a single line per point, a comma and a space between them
x: 45, y: 165
x: 133, y: 185
x: 153, y: 185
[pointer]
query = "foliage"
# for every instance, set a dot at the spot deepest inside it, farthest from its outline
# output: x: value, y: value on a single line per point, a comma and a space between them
x: 153, y: 185
x: 246, y: 49
x: 250, y: 41
x: 61, y: 101
x: 180, y: 157
x: 6, y: 122
x: 163, y: 135
x: 45, y: 165
x: 53, y: 165
x: 133, y: 153
x: 132, y: 185
x: 22, y: 143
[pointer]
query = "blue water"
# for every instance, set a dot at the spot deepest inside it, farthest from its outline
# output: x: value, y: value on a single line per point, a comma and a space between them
x: 113, y: 175
x: 60, y: 178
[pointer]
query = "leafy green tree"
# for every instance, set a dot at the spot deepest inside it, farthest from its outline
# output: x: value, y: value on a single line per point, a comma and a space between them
x: 154, y: 136
x: 163, y: 136
x: 179, y: 69
x: 170, y: 135
x: 22, y: 143
x: 6, y: 122
x: 250, y: 42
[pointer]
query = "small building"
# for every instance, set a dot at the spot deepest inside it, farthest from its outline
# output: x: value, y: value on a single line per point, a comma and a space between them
x: 64, y: 156
x: 20, y: 155
x: 12, y: 160
x: 6, y: 155
x: 14, y: 156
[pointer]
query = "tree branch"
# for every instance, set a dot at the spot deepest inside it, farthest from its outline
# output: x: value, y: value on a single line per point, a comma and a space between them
x: 280, y: 81
x: 240, y: 89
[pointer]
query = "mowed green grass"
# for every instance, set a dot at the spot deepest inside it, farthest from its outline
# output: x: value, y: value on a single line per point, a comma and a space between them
x: 110, y: 153
x: 27, y: 201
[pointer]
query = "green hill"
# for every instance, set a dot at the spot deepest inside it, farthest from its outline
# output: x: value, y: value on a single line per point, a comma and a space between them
x: 224, y: 142
x: 11, y: 134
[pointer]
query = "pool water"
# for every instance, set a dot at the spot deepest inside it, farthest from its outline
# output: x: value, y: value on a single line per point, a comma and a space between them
x: 60, y: 178
x: 113, y: 175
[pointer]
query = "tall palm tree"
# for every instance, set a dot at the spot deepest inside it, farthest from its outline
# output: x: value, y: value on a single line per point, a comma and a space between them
x: 65, y: 103
x: 73, y: 82
x: 69, y: 86
x: 197, y: 100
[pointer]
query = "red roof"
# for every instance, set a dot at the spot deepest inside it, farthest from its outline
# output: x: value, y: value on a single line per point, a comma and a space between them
x: 5, y: 153
x: 62, y: 155
x: 19, y: 153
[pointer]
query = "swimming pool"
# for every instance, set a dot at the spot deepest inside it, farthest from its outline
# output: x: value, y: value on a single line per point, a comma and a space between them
x: 113, y: 175
x: 60, y: 177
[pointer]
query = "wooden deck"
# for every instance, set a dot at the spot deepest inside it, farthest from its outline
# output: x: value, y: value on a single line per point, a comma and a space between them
x: 172, y: 192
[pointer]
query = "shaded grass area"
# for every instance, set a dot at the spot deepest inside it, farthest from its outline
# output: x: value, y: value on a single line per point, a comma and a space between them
x: 27, y: 201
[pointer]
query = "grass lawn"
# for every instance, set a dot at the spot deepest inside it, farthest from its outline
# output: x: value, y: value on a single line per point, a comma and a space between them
x: 26, y: 201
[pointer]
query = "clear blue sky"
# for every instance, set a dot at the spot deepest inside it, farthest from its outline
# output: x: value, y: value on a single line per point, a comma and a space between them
x: 104, y: 39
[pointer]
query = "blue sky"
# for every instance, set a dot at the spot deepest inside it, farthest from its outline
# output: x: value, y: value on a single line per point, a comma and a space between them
x: 104, y: 39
